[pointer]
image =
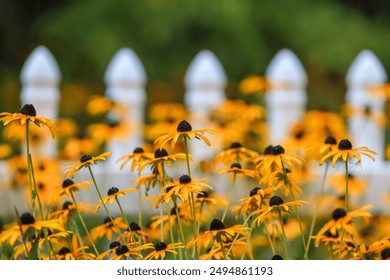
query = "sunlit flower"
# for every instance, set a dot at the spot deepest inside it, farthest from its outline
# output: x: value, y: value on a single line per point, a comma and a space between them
x: 254, y: 201
x: 183, y: 130
x: 69, y: 186
x: 136, y: 158
x: 280, y: 179
x: 75, y: 147
x: 219, y: 233
x: 28, y: 225
x: 160, y: 158
x: 68, y: 208
x: 134, y: 233
x: 98, y: 105
x: 85, y: 161
x: 236, y: 169
x: 130, y: 250
x: 346, y: 152
x: 215, y: 252
x: 235, y: 153
x: 108, y: 228
x: 147, y: 180
x: 356, y: 186
x: 113, y: 193
x: 254, y: 84
x: 184, y: 187
x: 210, y: 200
x: 28, y: 114
x: 76, y: 252
x: 161, y: 249
x: 104, y: 132
x: 318, y: 150
x: 276, y: 206
x: 280, y: 159
x: 343, y: 220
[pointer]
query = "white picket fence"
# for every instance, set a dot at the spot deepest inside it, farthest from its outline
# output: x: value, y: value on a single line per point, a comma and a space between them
x: 205, y: 82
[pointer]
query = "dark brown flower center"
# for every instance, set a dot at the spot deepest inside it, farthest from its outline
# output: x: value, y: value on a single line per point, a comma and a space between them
x: 203, y: 194
x: 217, y: 225
x: 27, y: 219
x: 114, y: 244
x: 184, y: 126
x: 134, y: 226
x: 276, y: 200
x: 330, y: 140
x: 185, y: 179
x: 138, y: 150
x: 277, y: 257
x: 159, y: 246
x: 268, y: 150
x: 159, y: 153
x: 85, y: 158
x: 66, y: 183
x: 338, y: 214
x: 254, y: 191
x: 29, y: 110
x: 235, y: 145
x: 121, y: 249
x: 112, y: 191
x: 385, y: 254
x: 63, y: 251
x: 345, y: 144
x: 236, y: 165
x: 277, y: 150
x: 107, y: 220
x: 328, y: 233
x: 66, y: 205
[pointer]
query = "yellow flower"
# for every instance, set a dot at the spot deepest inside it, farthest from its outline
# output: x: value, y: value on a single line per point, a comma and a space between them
x: 108, y: 228
x: 161, y: 248
x: 184, y: 130
x: 76, y: 252
x: 28, y: 225
x: 279, y: 159
x: 184, y: 187
x: 102, y: 133
x: 256, y: 84
x: 85, y: 161
x: 254, y: 201
x: 75, y: 147
x: 236, y: 169
x: 160, y: 157
x: 137, y: 157
x: 28, y: 114
x: 113, y: 193
x: 346, y: 152
x: 69, y: 186
x: 239, y: 246
x: 69, y: 208
x: 276, y: 204
x: 235, y: 153
x: 356, y: 186
x: 219, y: 233
x: 343, y: 220
x: 5, y: 151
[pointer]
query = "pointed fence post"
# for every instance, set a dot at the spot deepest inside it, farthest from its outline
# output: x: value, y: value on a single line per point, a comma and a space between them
x: 285, y: 104
x: 125, y: 79
x: 205, y: 81
x: 40, y: 77
x: 365, y: 130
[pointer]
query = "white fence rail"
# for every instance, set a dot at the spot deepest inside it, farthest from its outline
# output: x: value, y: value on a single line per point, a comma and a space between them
x: 125, y: 80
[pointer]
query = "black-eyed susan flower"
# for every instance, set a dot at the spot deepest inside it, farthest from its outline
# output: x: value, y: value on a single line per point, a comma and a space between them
x: 161, y: 249
x: 236, y: 170
x: 113, y: 193
x: 134, y: 233
x: 318, y: 150
x: 108, y: 228
x: 209, y: 199
x: 27, y: 225
x: 112, y: 130
x: 183, y: 131
x: 256, y: 199
x: 346, y: 152
x: 218, y: 233
x: 75, y: 252
x: 136, y: 158
x: 185, y: 186
x: 276, y: 206
x: 28, y: 114
x: 235, y: 153
x: 216, y: 252
x: 280, y: 159
x: 68, y: 186
x: 75, y: 147
x: 130, y: 250
x: 281, y: 179
x: 85, y: 161
x: 160, y: 158
x: 356, y: 186
x: 68, y: 209
x: 254, y: 84
x: 342, y: 220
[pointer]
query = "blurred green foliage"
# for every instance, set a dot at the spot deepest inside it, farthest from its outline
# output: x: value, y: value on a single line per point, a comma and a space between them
x: 167, y: 34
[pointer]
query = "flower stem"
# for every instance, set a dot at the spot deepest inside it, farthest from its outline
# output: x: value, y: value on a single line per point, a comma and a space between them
x: 230, y: 196
x: 82, y: 222
x: 346, y: 187
x: 139, y: 208
x: 306, y: 255
x: 123, y: 214
x: 284, y: 237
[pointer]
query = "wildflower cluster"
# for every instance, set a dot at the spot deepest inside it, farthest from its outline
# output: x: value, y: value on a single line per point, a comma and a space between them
x: 246, y: 203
